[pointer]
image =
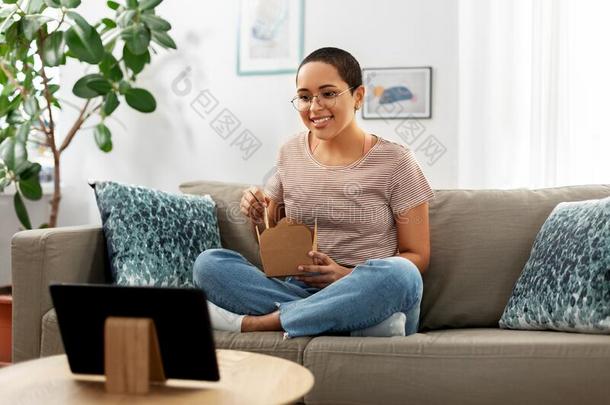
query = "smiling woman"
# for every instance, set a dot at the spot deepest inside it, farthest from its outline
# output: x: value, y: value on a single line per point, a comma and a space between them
x: 370, y: 199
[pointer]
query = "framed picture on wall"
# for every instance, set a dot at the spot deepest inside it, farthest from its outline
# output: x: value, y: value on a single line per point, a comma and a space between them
x: 270, y: 36
x: 397, y: 93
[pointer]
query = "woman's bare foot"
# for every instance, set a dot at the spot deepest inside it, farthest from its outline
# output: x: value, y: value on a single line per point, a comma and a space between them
x: 269, y: 322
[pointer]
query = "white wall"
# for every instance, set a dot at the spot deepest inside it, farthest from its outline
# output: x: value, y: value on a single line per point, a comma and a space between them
x: 175, y: 144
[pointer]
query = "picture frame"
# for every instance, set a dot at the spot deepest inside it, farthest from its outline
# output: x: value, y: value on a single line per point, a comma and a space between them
x: 397, y: 92
x: 270, y: 36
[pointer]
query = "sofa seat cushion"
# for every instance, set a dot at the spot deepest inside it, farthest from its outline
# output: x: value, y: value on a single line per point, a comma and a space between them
x: 269, y: 343
x: 525, y: 367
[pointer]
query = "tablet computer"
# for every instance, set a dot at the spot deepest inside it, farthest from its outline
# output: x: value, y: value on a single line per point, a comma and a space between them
x: 180, y: 316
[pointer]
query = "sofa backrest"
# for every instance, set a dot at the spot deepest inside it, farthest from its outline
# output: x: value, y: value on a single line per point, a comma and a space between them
x: 480, y: 240
x: 234, y: 227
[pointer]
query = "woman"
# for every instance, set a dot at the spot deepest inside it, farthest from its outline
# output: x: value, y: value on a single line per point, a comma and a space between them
x: 370, y: 199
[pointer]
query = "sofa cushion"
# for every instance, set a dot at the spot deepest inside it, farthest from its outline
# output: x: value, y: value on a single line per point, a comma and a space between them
x: 565, y: 284
x: 154, y: 237
x: 270, y: 343
x: 235, y: 233
x: 480, y: 241
x: 497, y: 367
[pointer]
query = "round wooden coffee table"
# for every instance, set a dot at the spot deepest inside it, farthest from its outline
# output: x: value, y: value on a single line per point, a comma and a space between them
x: 245, y: 378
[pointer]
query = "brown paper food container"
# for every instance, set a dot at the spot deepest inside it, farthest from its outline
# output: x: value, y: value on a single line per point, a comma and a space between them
x: 286, y: 246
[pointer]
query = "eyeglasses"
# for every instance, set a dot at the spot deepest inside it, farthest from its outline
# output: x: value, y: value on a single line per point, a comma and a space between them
x: 326, y: 99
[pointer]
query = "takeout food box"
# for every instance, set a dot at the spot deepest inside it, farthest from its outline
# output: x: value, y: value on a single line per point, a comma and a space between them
x: 286, y: 246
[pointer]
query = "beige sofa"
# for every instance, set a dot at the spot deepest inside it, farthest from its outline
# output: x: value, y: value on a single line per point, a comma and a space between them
x: 480, y: 240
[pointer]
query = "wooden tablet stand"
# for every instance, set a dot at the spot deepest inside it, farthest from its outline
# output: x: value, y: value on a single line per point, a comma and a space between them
x: 132, y: 358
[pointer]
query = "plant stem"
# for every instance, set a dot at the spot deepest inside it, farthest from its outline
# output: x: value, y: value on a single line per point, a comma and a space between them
x: 61, y: 21
x: 75, y: 127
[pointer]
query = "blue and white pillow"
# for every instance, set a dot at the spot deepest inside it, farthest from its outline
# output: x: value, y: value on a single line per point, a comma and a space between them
x: 565, y: 284
x: 153, y: 237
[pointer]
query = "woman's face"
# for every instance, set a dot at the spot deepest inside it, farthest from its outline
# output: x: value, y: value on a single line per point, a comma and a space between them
x: 326, y: 121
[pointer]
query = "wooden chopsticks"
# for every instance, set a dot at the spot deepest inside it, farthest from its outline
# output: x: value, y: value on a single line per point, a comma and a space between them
x: 258, y: 235
x: 314, y: 245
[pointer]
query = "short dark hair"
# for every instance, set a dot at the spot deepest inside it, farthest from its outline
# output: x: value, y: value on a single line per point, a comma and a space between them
x: 347, y: 66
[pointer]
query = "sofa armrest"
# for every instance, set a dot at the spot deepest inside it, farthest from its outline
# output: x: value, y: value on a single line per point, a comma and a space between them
x: 74, y: 254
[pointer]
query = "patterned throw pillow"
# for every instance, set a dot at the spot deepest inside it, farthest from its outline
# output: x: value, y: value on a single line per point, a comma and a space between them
x: 153, y: 237
x: 565, y: 284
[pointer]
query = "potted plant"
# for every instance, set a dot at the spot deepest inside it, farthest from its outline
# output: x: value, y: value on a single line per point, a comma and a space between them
x: 37, y: 36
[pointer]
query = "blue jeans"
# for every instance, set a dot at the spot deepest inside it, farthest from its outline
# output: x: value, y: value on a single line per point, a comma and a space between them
x: 372, y: 292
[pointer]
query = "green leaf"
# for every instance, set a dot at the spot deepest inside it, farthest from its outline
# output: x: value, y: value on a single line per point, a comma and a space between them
x: 112, y: 4
x: 13, y: 153
x: 14, y: 117
x: 22, y: 212
x: 148, y: 4
x: 4, y: 104
x: 30, y: 25
x: 30, y: 188
x: 109, y: 46
x: 109, y: 23
x: 8, y: 132
x: 53, y: 49
x: 111, y: 102
x: 102, y: 86
x: 155, y: 23
x: 83, y: 40
x: 10, y: 1
x: 7, y: 153
x: 163, y: 39
x: 124, y: 86
x: 15, y: 102
x: 91, y: 85
x: 53, y: 3
x: 53, y: 88
x: 11, y: 35
x: 6, y: 11
x: 137, y: 38
x: 27, y: 170
x: 43, y: 225
x: 135, y: 62
x: 125, y: 18
x: 31, y: 105
x: 23, y: 132
x: 34, y: 7
x: 70, y: 3
x: 140, y: 100
x: 132, y: 3
x: 103, y: 137
x: 110, y: 67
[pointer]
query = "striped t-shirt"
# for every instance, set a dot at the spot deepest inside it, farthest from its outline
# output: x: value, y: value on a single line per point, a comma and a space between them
x: 354, y: 204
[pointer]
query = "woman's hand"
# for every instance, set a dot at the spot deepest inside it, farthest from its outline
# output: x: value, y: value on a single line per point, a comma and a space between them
x: 253, y: 203
x: 323, y: 264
